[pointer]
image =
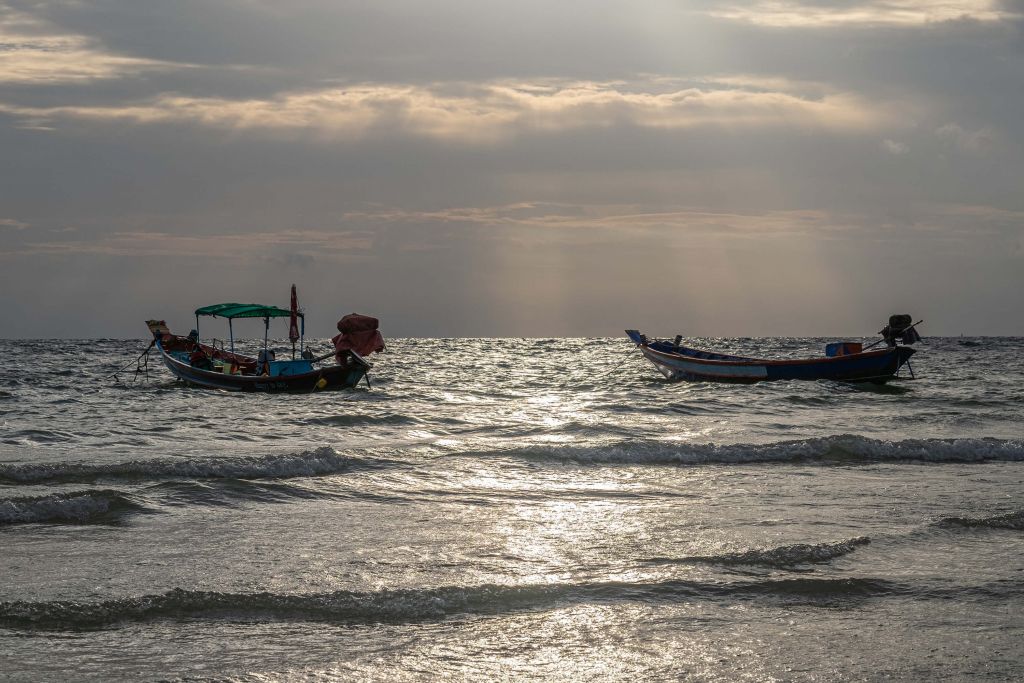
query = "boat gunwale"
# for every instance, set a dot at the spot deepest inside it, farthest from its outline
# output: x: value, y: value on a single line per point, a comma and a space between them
x: 765, y: 362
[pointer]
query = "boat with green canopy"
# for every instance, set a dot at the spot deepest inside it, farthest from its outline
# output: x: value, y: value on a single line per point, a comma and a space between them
x: 221, y: 367
x: 233, y: 311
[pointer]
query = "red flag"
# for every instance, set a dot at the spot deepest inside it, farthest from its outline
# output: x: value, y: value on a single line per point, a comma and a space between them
x: 293, y: 328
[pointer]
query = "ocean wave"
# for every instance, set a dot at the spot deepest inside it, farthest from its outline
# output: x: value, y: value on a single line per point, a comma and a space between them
x: 353, y: 420
x: 843, y: 448
x: 229, y: 492
x: 411, y: 605
x: 77, y: 507
x: 319, y: 462
x: 44, y: 436
x: 1012, y: 520
x: 783, y: 557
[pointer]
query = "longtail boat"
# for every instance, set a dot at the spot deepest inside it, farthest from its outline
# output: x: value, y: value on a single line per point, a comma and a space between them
x: 206, y: 365
x: 843, y: 361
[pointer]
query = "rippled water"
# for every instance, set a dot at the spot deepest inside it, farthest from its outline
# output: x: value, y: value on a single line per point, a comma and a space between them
x: 510, y: 508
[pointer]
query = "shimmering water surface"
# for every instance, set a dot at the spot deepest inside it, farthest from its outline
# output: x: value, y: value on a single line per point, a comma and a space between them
x: 513, y: 509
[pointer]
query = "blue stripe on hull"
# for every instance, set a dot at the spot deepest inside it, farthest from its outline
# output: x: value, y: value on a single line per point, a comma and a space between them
x: 852, y: 368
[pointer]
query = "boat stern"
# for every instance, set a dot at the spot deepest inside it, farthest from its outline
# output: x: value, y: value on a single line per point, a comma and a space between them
x: 158, y: 328
x: 636, y: 337
x: 903, y: 354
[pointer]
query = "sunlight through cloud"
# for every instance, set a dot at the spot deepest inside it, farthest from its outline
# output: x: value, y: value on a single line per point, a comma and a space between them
x: 31, y: 53
x: 488, y: 112
x: 797, y: 14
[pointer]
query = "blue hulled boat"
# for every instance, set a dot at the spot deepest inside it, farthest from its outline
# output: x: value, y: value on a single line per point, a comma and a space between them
x: 843, y: 362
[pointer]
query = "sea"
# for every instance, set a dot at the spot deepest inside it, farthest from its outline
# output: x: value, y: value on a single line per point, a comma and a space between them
x: 512, y: 509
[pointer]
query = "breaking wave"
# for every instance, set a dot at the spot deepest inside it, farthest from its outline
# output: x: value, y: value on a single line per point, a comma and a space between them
x: 229, y: 492
x: 1011, y: 520
x: 319, y: 462
x: 843, y: 448
x: 77, y: 507
x: 407, y: 605
x: 783, y: 557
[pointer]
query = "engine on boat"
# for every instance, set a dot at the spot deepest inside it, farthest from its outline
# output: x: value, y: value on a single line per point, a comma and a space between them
x: 900, y: 330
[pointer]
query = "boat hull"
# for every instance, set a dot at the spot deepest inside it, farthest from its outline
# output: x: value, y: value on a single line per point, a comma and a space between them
x: 328, y: 378
x: 681, y: 363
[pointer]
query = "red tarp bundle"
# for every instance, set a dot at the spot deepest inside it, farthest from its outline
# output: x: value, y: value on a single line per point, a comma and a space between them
x: 358, y: 333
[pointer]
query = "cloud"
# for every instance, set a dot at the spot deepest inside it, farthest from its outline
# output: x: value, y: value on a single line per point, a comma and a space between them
x: 977, y: 141
x: 578, y: 224
x: 11, y: 224
x: 290, y: 259
x: 485, y: 112
x: 541, y: 224
x: 290, y: 247
x: 896, y: 148
x: 384, y: 231
x: 378, y: 231
x: 797, y: 14
x: 34, y: 53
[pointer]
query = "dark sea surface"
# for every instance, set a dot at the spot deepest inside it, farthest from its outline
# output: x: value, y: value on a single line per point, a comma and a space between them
x: 513, y: 509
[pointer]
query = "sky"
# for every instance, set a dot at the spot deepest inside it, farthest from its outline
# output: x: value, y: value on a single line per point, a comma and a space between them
x: 536, y: 169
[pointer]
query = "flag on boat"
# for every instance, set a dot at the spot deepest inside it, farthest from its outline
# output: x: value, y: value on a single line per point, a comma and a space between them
x: 293, y: 326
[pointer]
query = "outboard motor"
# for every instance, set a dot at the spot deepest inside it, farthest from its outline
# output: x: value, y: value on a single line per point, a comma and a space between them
x: 900, y: 330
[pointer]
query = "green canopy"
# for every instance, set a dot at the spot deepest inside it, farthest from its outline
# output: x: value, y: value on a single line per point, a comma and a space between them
x: 232, y: 311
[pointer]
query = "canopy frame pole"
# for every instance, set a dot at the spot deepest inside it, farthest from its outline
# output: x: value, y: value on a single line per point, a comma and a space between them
x: 302, y: 335
x: 266, y: 333
x: 197, y: 328
x: 231, y: 334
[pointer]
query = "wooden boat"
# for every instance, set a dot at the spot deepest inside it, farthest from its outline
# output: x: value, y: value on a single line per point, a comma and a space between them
x: 844, y: 362
x: 205, y: 365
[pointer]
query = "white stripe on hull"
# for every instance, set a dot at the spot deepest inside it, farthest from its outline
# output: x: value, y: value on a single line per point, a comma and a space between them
x: 675, y: 368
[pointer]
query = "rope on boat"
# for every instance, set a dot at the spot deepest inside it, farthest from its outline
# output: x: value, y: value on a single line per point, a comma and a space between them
x: 629, y: 356
x: 141, y: 365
